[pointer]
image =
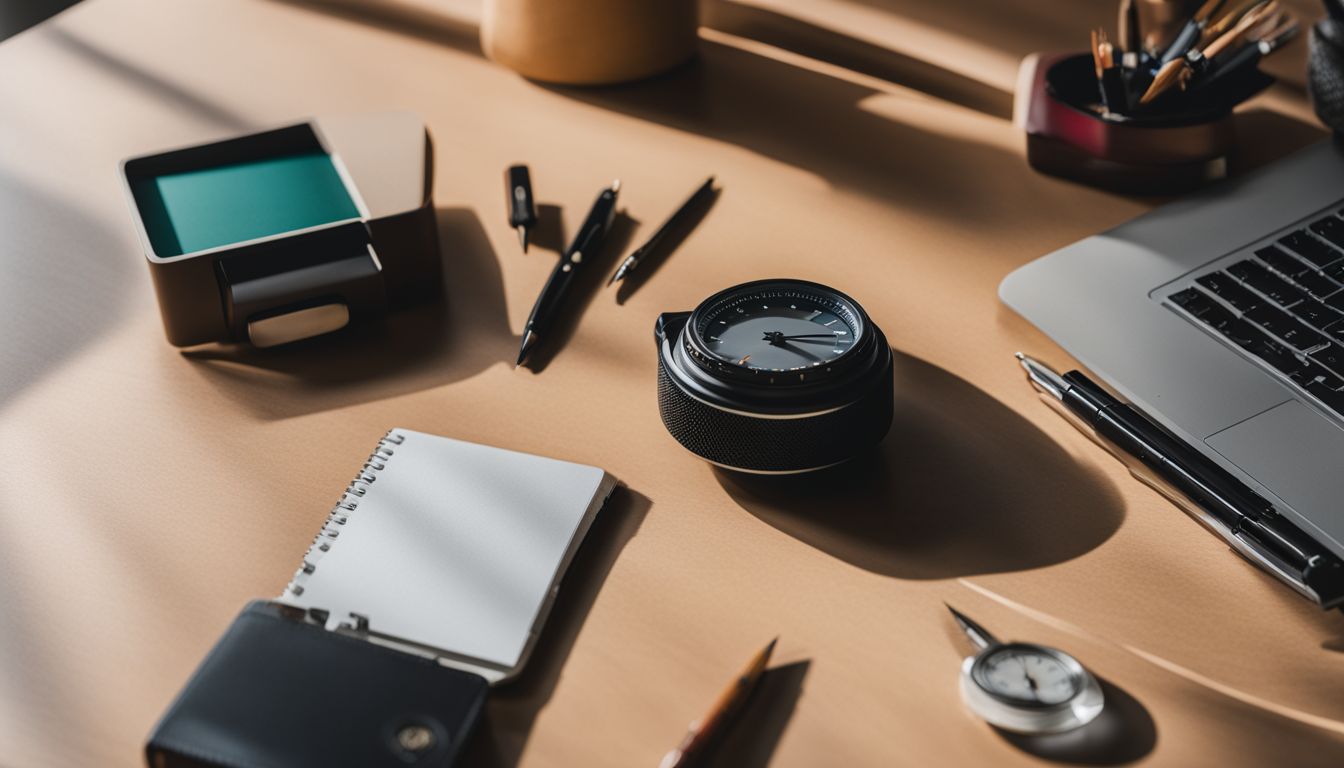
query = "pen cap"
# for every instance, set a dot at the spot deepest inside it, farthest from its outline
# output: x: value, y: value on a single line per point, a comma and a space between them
x: 518, y: 189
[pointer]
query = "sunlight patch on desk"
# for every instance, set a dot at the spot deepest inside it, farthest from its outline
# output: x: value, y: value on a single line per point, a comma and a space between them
x: 949, y: 121
x: 952, y: 51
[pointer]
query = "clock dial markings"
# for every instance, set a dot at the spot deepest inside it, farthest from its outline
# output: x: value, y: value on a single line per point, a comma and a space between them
x: 1029, y: 676
x: 805, y: 330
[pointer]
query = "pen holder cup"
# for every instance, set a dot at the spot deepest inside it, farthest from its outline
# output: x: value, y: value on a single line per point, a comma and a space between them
x: 1157, y: 154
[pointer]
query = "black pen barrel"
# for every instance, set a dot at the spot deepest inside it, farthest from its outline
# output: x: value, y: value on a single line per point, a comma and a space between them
x: 553, y: 295
x: 1206, y: 483
x: 1248, y: 521
x: 587, y: 246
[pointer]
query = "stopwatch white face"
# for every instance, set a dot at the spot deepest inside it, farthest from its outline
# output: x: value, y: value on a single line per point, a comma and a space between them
x: 1030, y: 688
x: 1025, y: 687
x: 1028, y: 675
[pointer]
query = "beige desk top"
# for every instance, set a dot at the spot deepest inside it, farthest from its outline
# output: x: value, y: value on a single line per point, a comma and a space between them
x: 148, y: 494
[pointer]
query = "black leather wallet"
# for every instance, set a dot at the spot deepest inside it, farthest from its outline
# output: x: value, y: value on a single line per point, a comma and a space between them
x: 279, y: 692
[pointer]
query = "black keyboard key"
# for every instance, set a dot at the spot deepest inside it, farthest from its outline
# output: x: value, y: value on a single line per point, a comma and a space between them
x: 1217, y: 317
x: 1277, y: 355
x: 1313, y: 312
x: 1268, y: 317
x: 1331, y: 228
x: 1242, y: 333
x: 1331, y: 356
x: 1313, y: 372
x: 1333, y: 398
x: 1278, y: 290
x: 1279, y: 261
x: 1335, y: 333
x: 1217, y: 282
x: 1288, y: 330
x: 1301, y: 338
x: 1310, y: 248
x: 1193, y: 301
x: 1225, y: 287
x: 1317, y: 285
x: 1248, y: 269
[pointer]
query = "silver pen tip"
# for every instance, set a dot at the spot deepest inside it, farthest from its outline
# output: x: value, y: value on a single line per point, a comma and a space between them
x: 529, y: 340
x: 1042, y: 376
x: 977, y: 634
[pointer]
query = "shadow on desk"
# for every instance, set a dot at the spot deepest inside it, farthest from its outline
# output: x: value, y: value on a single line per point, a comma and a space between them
x: 856, y: 55
x: 513, y: 707
x: 962, y: 485
x: 1123, y: 733
x: 56, y: 307
x: 860, y: 139
x: 411, y: 350
x: 402, y: 18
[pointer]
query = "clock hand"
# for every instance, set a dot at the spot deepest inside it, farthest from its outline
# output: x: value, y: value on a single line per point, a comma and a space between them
x: 795, y: 350
x: 773, y: 336
x: 1031, y: 681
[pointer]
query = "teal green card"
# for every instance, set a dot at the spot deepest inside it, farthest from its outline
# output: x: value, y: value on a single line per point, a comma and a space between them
x: 194, y: 210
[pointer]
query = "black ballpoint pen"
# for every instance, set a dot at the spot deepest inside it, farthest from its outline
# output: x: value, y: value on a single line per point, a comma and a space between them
x: 588, y: 242
x: 1224, y: 504
x: 632, y: 260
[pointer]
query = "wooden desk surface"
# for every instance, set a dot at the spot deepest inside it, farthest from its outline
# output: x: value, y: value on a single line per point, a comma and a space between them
x: 149, y: 493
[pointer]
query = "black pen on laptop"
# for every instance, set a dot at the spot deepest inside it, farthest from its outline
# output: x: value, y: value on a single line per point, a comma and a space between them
x: 587, y: 243
x: 676, y: 218
x: 1206, y: 491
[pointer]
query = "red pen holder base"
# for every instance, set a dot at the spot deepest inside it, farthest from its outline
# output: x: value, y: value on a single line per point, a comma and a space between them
x: 1159, y: 154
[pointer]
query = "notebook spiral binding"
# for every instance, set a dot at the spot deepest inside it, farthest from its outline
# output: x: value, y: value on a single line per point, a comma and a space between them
x: 340, y: 514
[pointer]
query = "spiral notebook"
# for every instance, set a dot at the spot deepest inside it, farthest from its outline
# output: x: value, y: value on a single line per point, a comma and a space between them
x: 449, y: 549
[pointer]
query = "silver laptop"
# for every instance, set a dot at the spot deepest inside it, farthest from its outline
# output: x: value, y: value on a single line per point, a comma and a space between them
x: 1222, y: 317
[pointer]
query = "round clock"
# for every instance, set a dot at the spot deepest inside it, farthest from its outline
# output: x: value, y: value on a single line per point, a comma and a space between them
x: 774, y: 376
x: 1025, y: 687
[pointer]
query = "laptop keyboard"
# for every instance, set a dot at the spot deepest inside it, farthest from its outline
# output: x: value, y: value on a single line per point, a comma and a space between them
x: 1284, y: 305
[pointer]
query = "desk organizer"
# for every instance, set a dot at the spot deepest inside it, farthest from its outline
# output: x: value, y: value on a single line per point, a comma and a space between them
x: 278, y: 236
x: 1158, y: 154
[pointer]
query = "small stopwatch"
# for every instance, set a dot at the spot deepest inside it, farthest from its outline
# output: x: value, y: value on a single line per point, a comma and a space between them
x: 1025, y: 687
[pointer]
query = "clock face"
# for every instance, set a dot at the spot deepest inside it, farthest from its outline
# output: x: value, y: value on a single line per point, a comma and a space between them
x: 779, y: 328
x: 1029, y: 675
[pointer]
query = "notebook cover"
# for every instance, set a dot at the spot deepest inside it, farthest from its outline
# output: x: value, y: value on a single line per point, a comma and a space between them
x: 276, y: 692
x: 450, y: 548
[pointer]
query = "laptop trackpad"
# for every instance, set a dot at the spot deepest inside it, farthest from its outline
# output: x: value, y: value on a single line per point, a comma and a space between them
x: 1296, y: 453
